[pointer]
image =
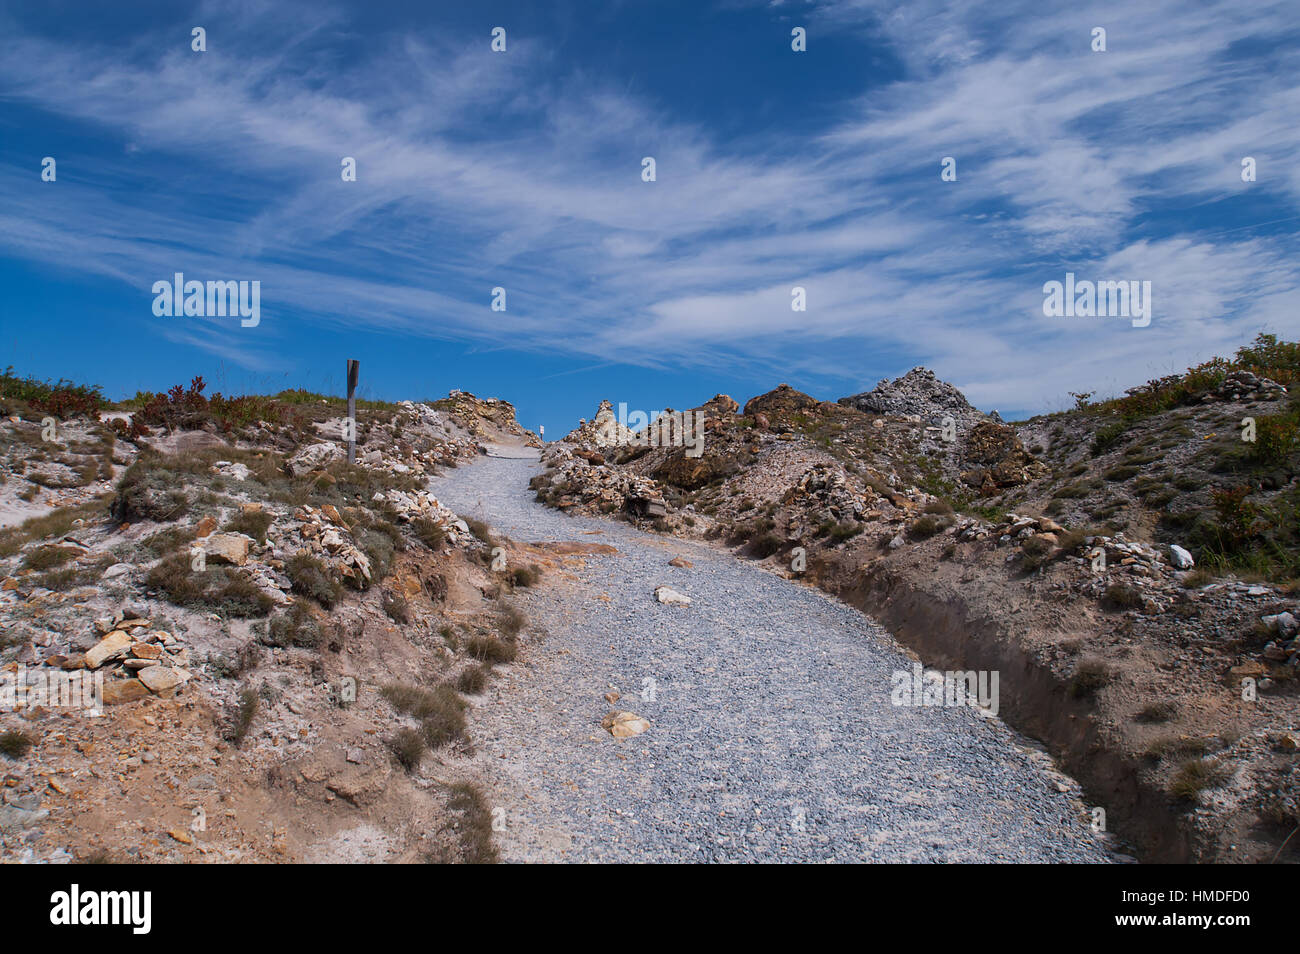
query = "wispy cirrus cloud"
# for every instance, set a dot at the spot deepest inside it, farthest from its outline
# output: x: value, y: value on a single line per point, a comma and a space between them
x: 518, y: 170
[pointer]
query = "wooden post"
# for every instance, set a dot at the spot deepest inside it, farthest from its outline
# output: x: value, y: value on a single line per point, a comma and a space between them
x: 353, y: 369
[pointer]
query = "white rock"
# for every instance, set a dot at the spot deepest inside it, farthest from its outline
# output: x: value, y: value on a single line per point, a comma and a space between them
x: 1180, y: 557
x: 668, y: 595
x: 310, y: 458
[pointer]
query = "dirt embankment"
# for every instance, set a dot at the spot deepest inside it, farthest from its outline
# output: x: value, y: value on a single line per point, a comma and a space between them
x: 954, y: 627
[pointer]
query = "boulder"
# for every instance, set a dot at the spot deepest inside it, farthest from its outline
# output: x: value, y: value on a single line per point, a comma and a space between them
x: 118, y: 691
x: 229, y: 548
x: 1284, y: 624
x: 1180, y: 557
x: 112, y: 646
x: 163, y: 679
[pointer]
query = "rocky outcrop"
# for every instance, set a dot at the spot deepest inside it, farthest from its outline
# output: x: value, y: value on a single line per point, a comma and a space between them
x: 782, y: 400
x: 998, y: 459
x: 919, y: 394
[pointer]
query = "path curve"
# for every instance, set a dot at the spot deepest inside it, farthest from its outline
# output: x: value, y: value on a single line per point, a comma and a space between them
x: 772, y: 733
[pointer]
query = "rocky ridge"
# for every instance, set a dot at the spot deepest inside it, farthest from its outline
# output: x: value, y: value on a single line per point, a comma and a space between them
x: 869, y: 489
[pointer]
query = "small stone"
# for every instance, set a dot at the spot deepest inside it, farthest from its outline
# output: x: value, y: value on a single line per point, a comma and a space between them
x: 669, y: 596
x: 624, y: 725
x: 681, y: 562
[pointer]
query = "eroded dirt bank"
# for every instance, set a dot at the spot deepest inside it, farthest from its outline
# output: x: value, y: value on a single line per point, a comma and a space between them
x: 953, y: 631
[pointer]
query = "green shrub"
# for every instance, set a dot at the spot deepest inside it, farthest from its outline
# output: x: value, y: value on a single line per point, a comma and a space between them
x: 217, y: 589
x: 844, y: 531
x: 148, y: 491
x: 245, y: 712
x: 1276, y: 439
x: 928, y: 525
x: 472, y: 680
x: 491, y: 649
x: 1090, y: 674
x: 1158, y: 712
x: 15, y: 743
x: 766, y: 544
x: 468, y: 828
x: 253, y: 523
x: 296, y: 627
x: 311, y: 578
x: 440, y: 710
x: 1121, y: 596
x: 47, y: 557
x: 379, y: 549
x: 1195, y: 776
x: 408, y: 746
x: 63, y: 399
x: 429, y: 532
x: 1107, y: 437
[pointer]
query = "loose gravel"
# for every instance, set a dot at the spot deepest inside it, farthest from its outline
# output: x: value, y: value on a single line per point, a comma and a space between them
x: 772, y: 736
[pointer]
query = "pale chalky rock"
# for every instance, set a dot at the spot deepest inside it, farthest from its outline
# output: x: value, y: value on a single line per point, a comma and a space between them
x: 312, y: 458
x: 669, y: 596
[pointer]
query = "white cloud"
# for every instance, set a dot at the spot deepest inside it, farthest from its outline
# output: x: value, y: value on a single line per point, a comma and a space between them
x: 477, y: 170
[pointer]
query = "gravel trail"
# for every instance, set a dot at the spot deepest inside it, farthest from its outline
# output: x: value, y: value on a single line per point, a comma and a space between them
x: 772, y: 734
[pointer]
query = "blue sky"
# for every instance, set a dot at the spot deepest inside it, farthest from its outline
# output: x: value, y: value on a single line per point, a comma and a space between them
x: 522, y: 170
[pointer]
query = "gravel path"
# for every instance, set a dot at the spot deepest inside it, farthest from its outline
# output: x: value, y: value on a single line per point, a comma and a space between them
x: 772, y: 734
